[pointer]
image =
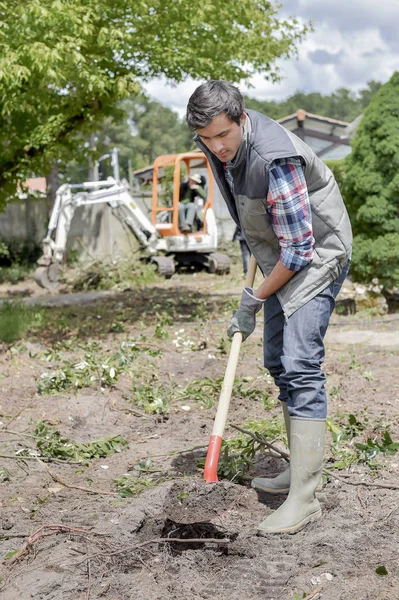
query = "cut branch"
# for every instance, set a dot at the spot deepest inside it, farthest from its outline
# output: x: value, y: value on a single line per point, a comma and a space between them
x: 45, y: 531
x: 262, y: 441
x: 75, y: 487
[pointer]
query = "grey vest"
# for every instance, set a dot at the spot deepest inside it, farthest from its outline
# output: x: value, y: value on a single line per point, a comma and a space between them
x: 263, y: 142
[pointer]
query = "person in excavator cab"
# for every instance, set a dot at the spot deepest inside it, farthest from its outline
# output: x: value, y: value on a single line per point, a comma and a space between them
x: 192, y: 196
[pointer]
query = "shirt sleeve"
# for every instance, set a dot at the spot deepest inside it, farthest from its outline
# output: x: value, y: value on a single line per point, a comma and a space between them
x: 291, y: 217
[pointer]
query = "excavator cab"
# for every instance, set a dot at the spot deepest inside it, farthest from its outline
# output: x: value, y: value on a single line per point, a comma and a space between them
x: 169, y: 175
x: 197, y: 248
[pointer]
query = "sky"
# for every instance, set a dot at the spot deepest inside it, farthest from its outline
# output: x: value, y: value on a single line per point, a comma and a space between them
x: 354, y: 41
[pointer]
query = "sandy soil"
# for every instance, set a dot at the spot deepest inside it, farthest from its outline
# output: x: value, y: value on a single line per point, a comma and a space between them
x: 59, y: 542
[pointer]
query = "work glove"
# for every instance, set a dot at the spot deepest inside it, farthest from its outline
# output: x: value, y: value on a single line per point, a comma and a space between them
x: 244, y: 319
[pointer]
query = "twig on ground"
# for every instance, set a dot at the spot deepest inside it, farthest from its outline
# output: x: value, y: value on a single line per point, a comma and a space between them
x: 359, y: 497
x: 88, y: 574
x: 389, y: 515
x: 158, y: 541
x: 128, y: 411
x: 387, y: 486
x: 172, y: 452
x: 75, y: 487
x: 260, y: 440
x: 22, y: 435
x: 4, y: 535
x: 45, y: 531
x: 315, y: 594
x: 42, y: 458
x: 16, y: 416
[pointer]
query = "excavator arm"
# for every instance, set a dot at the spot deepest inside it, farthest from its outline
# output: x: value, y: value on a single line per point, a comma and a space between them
x: 67, y: 201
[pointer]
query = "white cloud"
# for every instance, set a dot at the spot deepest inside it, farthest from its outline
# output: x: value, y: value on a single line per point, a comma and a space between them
x: 354, y: 42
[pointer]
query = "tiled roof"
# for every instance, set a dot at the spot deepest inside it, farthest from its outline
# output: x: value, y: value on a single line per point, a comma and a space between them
x: 301, y: 115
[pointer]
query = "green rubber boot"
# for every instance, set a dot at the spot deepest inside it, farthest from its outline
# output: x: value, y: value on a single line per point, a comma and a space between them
x: 281, y: 483
x: 307, y: 452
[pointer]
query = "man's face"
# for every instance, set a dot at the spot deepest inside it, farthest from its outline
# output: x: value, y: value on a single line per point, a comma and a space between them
x: 222, y: 136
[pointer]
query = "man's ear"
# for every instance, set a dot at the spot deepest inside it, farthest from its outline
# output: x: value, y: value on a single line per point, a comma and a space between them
x: 243, y: 118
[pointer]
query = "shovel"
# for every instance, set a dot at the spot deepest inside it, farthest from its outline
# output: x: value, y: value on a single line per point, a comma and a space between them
x: 215, y: 442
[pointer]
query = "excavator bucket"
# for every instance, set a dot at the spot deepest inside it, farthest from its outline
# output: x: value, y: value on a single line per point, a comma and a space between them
x: 47, y: 277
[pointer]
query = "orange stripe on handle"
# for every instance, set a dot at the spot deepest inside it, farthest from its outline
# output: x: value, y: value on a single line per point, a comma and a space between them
x: 212, y: 459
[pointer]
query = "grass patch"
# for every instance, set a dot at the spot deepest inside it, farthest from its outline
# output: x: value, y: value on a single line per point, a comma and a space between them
x: 16, y: 319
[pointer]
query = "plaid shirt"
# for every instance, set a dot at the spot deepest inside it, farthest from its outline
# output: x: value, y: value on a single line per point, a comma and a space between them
x: 291, y: 216
x: 289, y: 208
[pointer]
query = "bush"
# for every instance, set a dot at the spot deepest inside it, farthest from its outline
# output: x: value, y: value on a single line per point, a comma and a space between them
x: 370, y: 186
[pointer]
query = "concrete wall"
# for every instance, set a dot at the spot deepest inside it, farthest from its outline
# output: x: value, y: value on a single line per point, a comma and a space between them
x: 97, y: 232
x: 24, y: 221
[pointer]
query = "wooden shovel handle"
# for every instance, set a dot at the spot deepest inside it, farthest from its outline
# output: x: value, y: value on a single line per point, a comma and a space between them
x: 212, y: 458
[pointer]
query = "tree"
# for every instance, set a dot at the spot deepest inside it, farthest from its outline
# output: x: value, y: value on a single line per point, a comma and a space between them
x: 141, y: 129
x: 371, y: 188
x: 64, y: 65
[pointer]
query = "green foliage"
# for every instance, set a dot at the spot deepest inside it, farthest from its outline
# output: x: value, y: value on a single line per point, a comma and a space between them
x: 109, y: 274
x: 346, y: 450
x: 14, y: 273
x: 52, y: 444
x: 373, y: 447
x: 298, y: 597
x: 237, y: 454
x: 74, y: 376
x: 5, y: 475
x: 338, y: 169
x: 163, y: 320
x: 128, y: 486
x: 16, y: 319
x: 154, y: 399
x: 141, y: 129
x: 17, y: 260
x: 4, y: 251
x: 95, y: 368
x: 371, y: 189
x: 64, y: 65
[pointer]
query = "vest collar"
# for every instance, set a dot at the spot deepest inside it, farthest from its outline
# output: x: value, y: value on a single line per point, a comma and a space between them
x: 242, y: 150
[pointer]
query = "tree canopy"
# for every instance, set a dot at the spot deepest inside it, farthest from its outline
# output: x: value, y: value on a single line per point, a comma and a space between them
x: 371, y: 188
x: 141, y: 129
x: 64, y: 65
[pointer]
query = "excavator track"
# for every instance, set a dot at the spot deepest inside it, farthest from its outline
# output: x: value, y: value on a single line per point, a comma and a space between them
x: 218, y: 263
x: 165, y: 265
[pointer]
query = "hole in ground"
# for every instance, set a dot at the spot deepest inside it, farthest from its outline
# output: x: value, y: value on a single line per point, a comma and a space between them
x: 192, y: 531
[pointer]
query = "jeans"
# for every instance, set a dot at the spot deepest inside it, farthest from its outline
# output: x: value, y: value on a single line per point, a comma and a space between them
x: 245, y: 253
x: 187, y: 214
x: 294, y: 351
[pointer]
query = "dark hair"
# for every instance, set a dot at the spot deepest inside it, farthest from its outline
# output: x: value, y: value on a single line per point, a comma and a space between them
x: 212, y: 98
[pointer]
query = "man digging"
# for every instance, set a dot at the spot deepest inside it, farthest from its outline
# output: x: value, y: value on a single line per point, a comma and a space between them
x: 289, y: 208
